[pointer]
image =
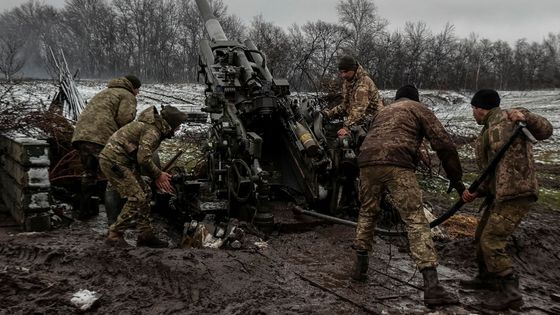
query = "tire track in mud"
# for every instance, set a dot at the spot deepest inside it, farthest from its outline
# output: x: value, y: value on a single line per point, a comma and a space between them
x: 167, y: 99
x: 92, y: 267
x: 173, y: 97
x: 40, y: 291
x: 179, y: 281
x: 21, y: 253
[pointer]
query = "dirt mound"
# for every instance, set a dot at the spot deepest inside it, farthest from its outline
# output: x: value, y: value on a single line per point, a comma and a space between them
x: 461, y: 226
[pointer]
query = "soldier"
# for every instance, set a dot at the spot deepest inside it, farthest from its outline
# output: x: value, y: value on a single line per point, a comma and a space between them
x: 360, y: 102
x: 510, y: 194
x: 106, y: 112
x: 360, y: 97
x: 128, y: 150
x: 388, y: 159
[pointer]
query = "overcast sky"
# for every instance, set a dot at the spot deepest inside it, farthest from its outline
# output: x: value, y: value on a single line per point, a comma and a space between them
x: 493, y: 19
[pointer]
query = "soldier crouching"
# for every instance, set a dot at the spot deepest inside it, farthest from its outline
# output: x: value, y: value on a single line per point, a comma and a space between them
x: 128, y: 150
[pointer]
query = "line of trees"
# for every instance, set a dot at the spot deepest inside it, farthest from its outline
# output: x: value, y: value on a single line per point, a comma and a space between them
x: 158, y: 40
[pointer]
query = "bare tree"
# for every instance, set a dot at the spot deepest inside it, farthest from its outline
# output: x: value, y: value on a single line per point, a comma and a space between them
x: 39, y: 25
x: 551, y: 69
x: 438, y: 57
x: 90, y: 24
x: 329, y: 39
x: 274, y: 42
x: 417, y: 37
x: 362, y: 19
x: 11, y: 46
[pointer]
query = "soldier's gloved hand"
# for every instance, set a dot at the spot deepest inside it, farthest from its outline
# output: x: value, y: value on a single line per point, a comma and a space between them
x: 458, y: 186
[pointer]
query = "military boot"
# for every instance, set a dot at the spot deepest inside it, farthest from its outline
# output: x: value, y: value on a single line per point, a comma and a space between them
x: 116, y: 239
x: 359, y: 270
x: 508, y: 295
x: 434, y: 293
x: 484, y: 280
x: 88, y: 207
x: 113, y: 205
x: 148, y: 239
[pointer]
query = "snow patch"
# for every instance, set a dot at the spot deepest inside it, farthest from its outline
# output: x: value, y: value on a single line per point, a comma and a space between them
x: 39, y: 201
x: 42, y: 159
x: 261, y: 245
x: 38, y: 177
x: 84, y: 299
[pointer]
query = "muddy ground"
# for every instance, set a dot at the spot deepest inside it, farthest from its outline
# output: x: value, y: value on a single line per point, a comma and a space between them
x: 303, y: 269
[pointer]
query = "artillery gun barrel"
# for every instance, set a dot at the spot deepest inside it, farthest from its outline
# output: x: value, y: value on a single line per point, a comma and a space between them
x: 206, y: 52
x: 212, y: 25
x: 259, y: 60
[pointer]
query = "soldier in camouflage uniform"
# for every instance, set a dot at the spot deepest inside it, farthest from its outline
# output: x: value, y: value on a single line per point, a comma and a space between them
x: 127, y: 151
x: 511, y: 192
x: 359, y: 104
x: 106, y: 112
x: 388, y: 159
x: 360, y: 97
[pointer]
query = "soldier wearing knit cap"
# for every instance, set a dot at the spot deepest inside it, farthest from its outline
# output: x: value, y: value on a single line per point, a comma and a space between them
x: 388, y: 159
x: 360, y: 102
x: 511, y: 191
x: 128, y: 150
x: 104, y: 114
x: 360, y: 97
x: 486, y: 99
x: 408, y: 91
x: 134, y: 80
x: 347, y: 63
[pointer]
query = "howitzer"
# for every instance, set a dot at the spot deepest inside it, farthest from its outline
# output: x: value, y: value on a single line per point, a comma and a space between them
x: 259, y: 140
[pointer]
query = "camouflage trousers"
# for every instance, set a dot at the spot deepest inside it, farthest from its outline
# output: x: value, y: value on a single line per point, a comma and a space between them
x: 130, y: 185
x: 496, y: 225
x: 406, y: 195
x: 89, y: 157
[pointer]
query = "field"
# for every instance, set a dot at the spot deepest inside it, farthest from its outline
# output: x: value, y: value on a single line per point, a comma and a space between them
x: 302, y: 268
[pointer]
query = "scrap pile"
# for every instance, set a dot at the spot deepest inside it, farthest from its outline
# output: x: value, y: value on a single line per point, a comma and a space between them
x: 68, y: 98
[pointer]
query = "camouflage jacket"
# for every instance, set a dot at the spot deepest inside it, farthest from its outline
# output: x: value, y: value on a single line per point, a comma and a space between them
x: 515, y: 175
x: 135, y: 143
x: 106, y: 112
x: 396, y: 135
x: 360, y: 100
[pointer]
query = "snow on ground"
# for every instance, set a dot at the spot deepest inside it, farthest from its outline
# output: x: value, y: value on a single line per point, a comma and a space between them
x: 452, y: 108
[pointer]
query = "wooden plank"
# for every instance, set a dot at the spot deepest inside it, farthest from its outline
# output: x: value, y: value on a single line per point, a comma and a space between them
x: 21, y: 198
x: 26, y: 176
x: 26, y: 151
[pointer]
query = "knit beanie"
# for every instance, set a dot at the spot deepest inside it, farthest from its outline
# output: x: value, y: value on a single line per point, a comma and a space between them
x: 347, y: 63
x: 134, y: 80
x: 173, y: 116
x: 486, y: 99
x: 408, y: 91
